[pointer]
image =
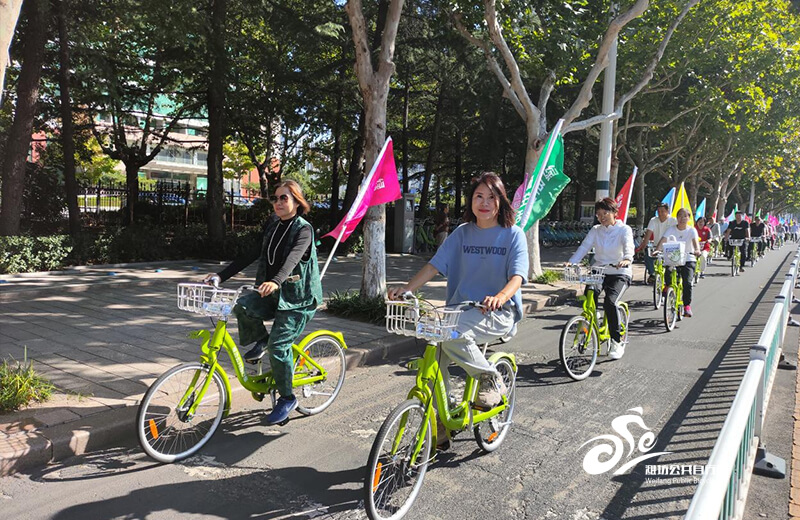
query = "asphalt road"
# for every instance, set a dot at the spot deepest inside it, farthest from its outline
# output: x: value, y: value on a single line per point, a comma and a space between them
x: 682, y: 384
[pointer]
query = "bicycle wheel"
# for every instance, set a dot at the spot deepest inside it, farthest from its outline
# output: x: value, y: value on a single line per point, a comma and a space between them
x: 734, y: 265
x: 670, y: 309
x: 658, y: 287
x: 490, y: 434
x: 753, y: 254
x: 165, y: 431
x: 393, y: 479
x: 329, y: 354
x: 578, y: 348
x: 624, y: 321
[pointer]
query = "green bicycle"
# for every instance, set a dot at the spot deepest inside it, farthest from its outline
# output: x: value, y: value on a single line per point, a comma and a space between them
x: 736, y: 256
x: 673, y: 299
x: 755, y: 254
x: 403, y: 447
x: 184, y: 407
x: 582, y: 335
x: 658, y: 276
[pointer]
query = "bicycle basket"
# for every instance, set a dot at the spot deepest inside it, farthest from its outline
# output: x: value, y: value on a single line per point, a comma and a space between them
x: 584, y: 275
x: 206, y: 300
x: 423, y: 321
x: 736, y: 242
x: 755, y: 240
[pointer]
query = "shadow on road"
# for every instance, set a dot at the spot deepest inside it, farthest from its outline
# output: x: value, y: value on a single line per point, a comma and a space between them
x: 691, y: 431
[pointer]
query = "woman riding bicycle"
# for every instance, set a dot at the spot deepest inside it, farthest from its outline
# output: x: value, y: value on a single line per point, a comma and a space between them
x: 704, y: 237
x: 485, y: 260
x: 685, y: 233
x: 288, y: 289
x: 612, y: 241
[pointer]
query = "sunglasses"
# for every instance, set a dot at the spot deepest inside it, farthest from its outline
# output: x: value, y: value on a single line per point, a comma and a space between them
x: 283, y: 198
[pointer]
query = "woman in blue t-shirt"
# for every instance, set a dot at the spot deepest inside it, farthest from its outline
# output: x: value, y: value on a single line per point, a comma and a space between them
x: 485, y: 260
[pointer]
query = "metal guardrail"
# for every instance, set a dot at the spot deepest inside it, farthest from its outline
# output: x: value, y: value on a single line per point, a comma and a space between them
x: 739, y: 451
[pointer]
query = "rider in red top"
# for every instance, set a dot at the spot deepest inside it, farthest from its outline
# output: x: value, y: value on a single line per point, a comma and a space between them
x: 703, y: 233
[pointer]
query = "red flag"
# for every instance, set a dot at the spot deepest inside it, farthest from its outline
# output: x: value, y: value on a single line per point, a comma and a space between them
x: 380, y: 186
x: 714, y: 216
x: 624, y: 196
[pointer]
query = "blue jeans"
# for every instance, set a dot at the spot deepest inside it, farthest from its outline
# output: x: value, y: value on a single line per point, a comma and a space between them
x: 649, y: 264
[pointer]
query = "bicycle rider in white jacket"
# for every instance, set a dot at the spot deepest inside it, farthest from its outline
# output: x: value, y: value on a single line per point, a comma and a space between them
x: 612, y: 241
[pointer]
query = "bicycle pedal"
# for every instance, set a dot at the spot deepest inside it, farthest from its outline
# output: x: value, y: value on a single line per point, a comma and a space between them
x: 257, y: 396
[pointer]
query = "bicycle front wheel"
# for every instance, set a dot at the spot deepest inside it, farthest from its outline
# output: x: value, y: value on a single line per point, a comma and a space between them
x: 167, y: 431
x: 397, y: 462
x: 670, y: 309
x: 328, y: 353
x: 624, y: 321
x: 490, y: 434
x: 578, y: 348
x: 734, y: 265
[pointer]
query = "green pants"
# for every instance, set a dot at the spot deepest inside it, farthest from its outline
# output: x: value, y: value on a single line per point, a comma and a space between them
x: 251, y: 310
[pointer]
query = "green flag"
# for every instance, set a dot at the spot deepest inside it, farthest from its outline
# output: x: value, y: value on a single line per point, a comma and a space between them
x: 546, y: 183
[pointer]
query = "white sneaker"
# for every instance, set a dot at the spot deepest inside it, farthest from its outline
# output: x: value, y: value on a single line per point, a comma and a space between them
x: 616, y: 350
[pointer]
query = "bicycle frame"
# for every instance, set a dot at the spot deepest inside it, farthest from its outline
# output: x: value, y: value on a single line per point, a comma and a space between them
x: 257, y: 384
x: 676, y: 283
x: 456, y: 418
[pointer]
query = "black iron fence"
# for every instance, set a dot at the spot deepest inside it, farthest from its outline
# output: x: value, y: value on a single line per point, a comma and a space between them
x: 161, y: 202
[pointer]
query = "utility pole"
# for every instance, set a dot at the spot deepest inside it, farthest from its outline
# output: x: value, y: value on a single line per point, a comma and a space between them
x: 607, y: 128
x: 751, y: 206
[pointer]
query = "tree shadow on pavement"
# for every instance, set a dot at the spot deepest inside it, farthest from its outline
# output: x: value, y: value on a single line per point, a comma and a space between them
x: 235, y: 493
x: 691, y: 431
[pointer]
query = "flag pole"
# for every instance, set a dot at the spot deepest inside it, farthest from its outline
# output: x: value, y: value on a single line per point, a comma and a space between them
x: 356, y: 203
x: 543, y: 161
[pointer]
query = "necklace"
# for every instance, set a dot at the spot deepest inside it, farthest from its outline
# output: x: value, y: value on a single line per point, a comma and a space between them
x: 271, y: 261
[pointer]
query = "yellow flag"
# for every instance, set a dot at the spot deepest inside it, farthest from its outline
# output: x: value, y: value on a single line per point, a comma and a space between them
x: 682, y: 201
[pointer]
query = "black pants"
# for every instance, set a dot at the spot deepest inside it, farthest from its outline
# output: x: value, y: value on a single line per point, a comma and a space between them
x: 614, y: 286
x: 744, y: 252
x: 686, y: 272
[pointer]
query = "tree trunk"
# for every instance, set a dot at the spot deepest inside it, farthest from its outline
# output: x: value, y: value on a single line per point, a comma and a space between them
x: 67, y: 127
x: 432, y: 149
x: 9, y: 13
x: 216, y: 123
x: 693, y: 189
x: 19, y: 136
x: 263, y: 181
x: 131, y: 189
x: 531, y: 158
x: 373, y: 281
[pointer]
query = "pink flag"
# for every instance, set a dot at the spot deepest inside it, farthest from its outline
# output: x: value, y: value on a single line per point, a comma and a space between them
x: 624, y: 196
x: 519, y: 194
x: 380, y: 186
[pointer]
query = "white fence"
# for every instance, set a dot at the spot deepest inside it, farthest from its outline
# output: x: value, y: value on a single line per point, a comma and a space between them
x: 739, y: 451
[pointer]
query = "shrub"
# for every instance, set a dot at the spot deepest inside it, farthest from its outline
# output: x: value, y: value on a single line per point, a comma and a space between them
x: 350, y: 304
x: 20, y: 385
x: 548, y: 276
x: 21, y: 254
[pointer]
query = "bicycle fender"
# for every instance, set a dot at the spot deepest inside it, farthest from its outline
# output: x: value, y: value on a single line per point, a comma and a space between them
x: 317, y: 333
x: 494, y: 358
x: 227, y: 383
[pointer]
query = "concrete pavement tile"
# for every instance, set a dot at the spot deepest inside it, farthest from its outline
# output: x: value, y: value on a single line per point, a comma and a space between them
x: 21, y: 334
x: 22, y: 451
x: 12, y: 351
x: 10, y: 426
x: 57, y: 416
x: 794, y: 510
x: 129, y: 388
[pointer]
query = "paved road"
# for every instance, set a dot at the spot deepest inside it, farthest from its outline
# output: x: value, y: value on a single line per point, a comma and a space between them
x: 683, y: 382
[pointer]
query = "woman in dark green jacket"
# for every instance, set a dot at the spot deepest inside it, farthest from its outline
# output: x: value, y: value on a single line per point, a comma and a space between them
x: 288, y: 290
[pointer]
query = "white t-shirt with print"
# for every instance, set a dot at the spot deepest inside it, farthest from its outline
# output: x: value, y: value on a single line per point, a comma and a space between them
x: 686, y: 236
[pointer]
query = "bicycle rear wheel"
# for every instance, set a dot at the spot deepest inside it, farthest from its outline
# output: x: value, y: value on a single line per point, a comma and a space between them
x: 670, y: 309
x: 658, y: 287
x: 328, y: 353
x: 166, y: 432
x: 396, y: 468
x: 734, y: 265
x: 490, y: 434
x: 577, y: 348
